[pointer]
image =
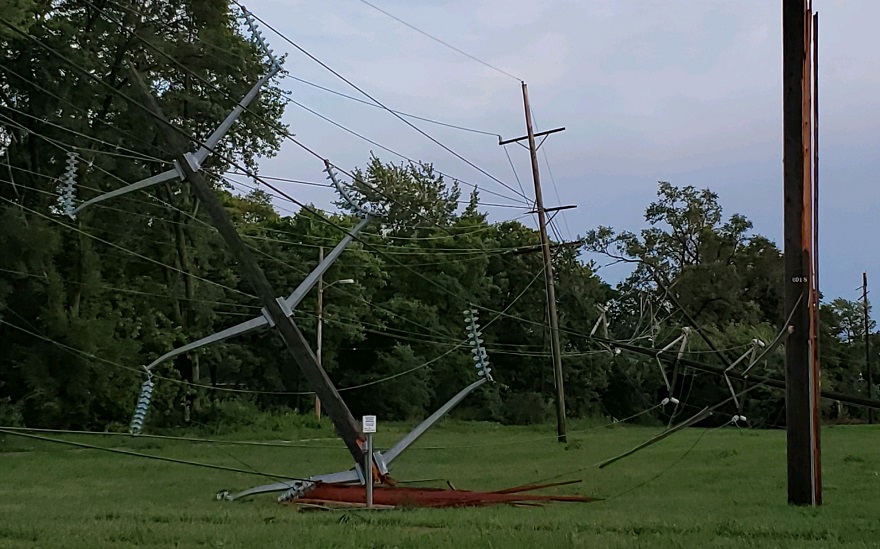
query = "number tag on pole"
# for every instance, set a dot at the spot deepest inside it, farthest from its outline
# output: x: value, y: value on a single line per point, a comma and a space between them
x: 369, y: 424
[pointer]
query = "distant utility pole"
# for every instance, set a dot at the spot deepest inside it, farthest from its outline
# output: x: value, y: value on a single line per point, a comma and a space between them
x: 320, y: 327
x: 868, y: 345
x: 801, y: 362
x: 549, y: 281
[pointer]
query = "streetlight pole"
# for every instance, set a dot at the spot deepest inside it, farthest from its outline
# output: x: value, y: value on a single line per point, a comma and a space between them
x: 320, y: 327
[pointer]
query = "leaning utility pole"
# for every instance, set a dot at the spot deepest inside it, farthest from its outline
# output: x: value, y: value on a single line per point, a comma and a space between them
x: 549, y: 281
x: 345, y: 424
x: 868, y: 345
x: 801, y: 364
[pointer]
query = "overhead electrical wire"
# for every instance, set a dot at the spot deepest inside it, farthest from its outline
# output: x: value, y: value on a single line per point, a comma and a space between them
x: 553, y: 181
x: 370, y: 97
x: 78, y: 108
x: 202, y: 222
x: 124, y: 249
x: 135, y: 292
x: 461, y: 344
x: 228, y: 175
x: 442, y: 42
x: 556, y: 191
x: 476, y: 252
x: 401, y: 113
x: 253, y: 175
x: 289, y: 266
x: 131, y: 155
x: 284, y: 131
x: 289, y: 136
x: 146, y: 456
x: 383, y: 147
x: 127, y: 435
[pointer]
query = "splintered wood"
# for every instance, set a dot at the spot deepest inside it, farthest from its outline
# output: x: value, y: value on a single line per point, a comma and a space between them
x: 334, y: 495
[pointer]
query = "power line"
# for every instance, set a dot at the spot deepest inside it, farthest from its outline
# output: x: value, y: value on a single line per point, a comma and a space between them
x: 447, y: 251
x: 448, y: 45
x: 556, y: 190
x: 283, y: 130
x: 286, y: 265
x: 124, y: 249
x: 70, y: 104
x: 132, y: 155
x: 136, y: 292
x: 399, y: 117
x: 267, y: 444
x: 145, y: 456
x: 401, y: 113
x: 228, y: 160
x: 383, y: 147
x: 117, y: 92
x: 329, y: 186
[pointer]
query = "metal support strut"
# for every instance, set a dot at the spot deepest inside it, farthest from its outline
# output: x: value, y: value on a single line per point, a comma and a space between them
x: 383, y: 461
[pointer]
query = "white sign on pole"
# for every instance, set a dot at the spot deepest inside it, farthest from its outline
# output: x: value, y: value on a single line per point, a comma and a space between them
x: 369, y: 424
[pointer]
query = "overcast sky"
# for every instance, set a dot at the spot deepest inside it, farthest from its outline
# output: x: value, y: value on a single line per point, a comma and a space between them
x: 683, y: 91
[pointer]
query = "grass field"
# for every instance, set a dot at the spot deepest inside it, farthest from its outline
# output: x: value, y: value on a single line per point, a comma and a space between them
x: 727, y: 491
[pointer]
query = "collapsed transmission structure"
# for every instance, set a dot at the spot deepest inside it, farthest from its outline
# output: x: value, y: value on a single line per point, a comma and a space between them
x: 367, y: 213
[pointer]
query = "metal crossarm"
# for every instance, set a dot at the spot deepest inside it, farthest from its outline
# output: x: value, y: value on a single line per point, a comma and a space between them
x: 288, y: 304
x: 683, y: 341
x: 197, y: 159
x: 383, y: 460
x: 752, y: 356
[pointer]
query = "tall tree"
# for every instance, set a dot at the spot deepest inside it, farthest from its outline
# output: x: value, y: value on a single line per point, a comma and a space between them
x: 63, y: 88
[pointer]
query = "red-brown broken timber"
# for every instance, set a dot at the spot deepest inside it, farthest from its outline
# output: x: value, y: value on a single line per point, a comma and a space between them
x: 431, y: 497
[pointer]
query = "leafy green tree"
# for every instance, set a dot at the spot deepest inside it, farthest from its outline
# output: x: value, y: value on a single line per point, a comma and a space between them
x: 727, y: 279
x: 64, y: 88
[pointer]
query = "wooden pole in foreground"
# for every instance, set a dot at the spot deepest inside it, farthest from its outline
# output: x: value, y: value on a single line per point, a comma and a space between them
x: 801, y: 367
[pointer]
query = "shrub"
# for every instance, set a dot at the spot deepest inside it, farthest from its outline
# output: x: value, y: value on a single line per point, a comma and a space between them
x: 526, y: 409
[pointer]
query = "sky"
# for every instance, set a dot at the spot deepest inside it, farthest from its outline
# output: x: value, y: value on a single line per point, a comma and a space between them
x: 685, y: 91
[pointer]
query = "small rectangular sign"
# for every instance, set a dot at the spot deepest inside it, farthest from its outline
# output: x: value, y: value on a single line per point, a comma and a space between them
x: 369, y: 424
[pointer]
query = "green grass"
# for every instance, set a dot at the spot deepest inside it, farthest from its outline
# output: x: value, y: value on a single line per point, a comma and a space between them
x: 729, y: 491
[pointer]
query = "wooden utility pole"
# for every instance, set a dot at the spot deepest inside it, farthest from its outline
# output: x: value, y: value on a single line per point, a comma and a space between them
x: 870, y: 376
x: 816, y: 293
x: 549, y: 280
x: 346, y: 426
x: 320, y: 327
x: 801, y: 367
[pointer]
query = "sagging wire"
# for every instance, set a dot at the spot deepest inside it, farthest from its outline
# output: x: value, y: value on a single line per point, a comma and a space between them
x: 142, y: 455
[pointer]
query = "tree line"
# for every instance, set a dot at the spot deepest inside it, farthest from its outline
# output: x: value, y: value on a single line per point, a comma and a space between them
x: 85, y: 302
